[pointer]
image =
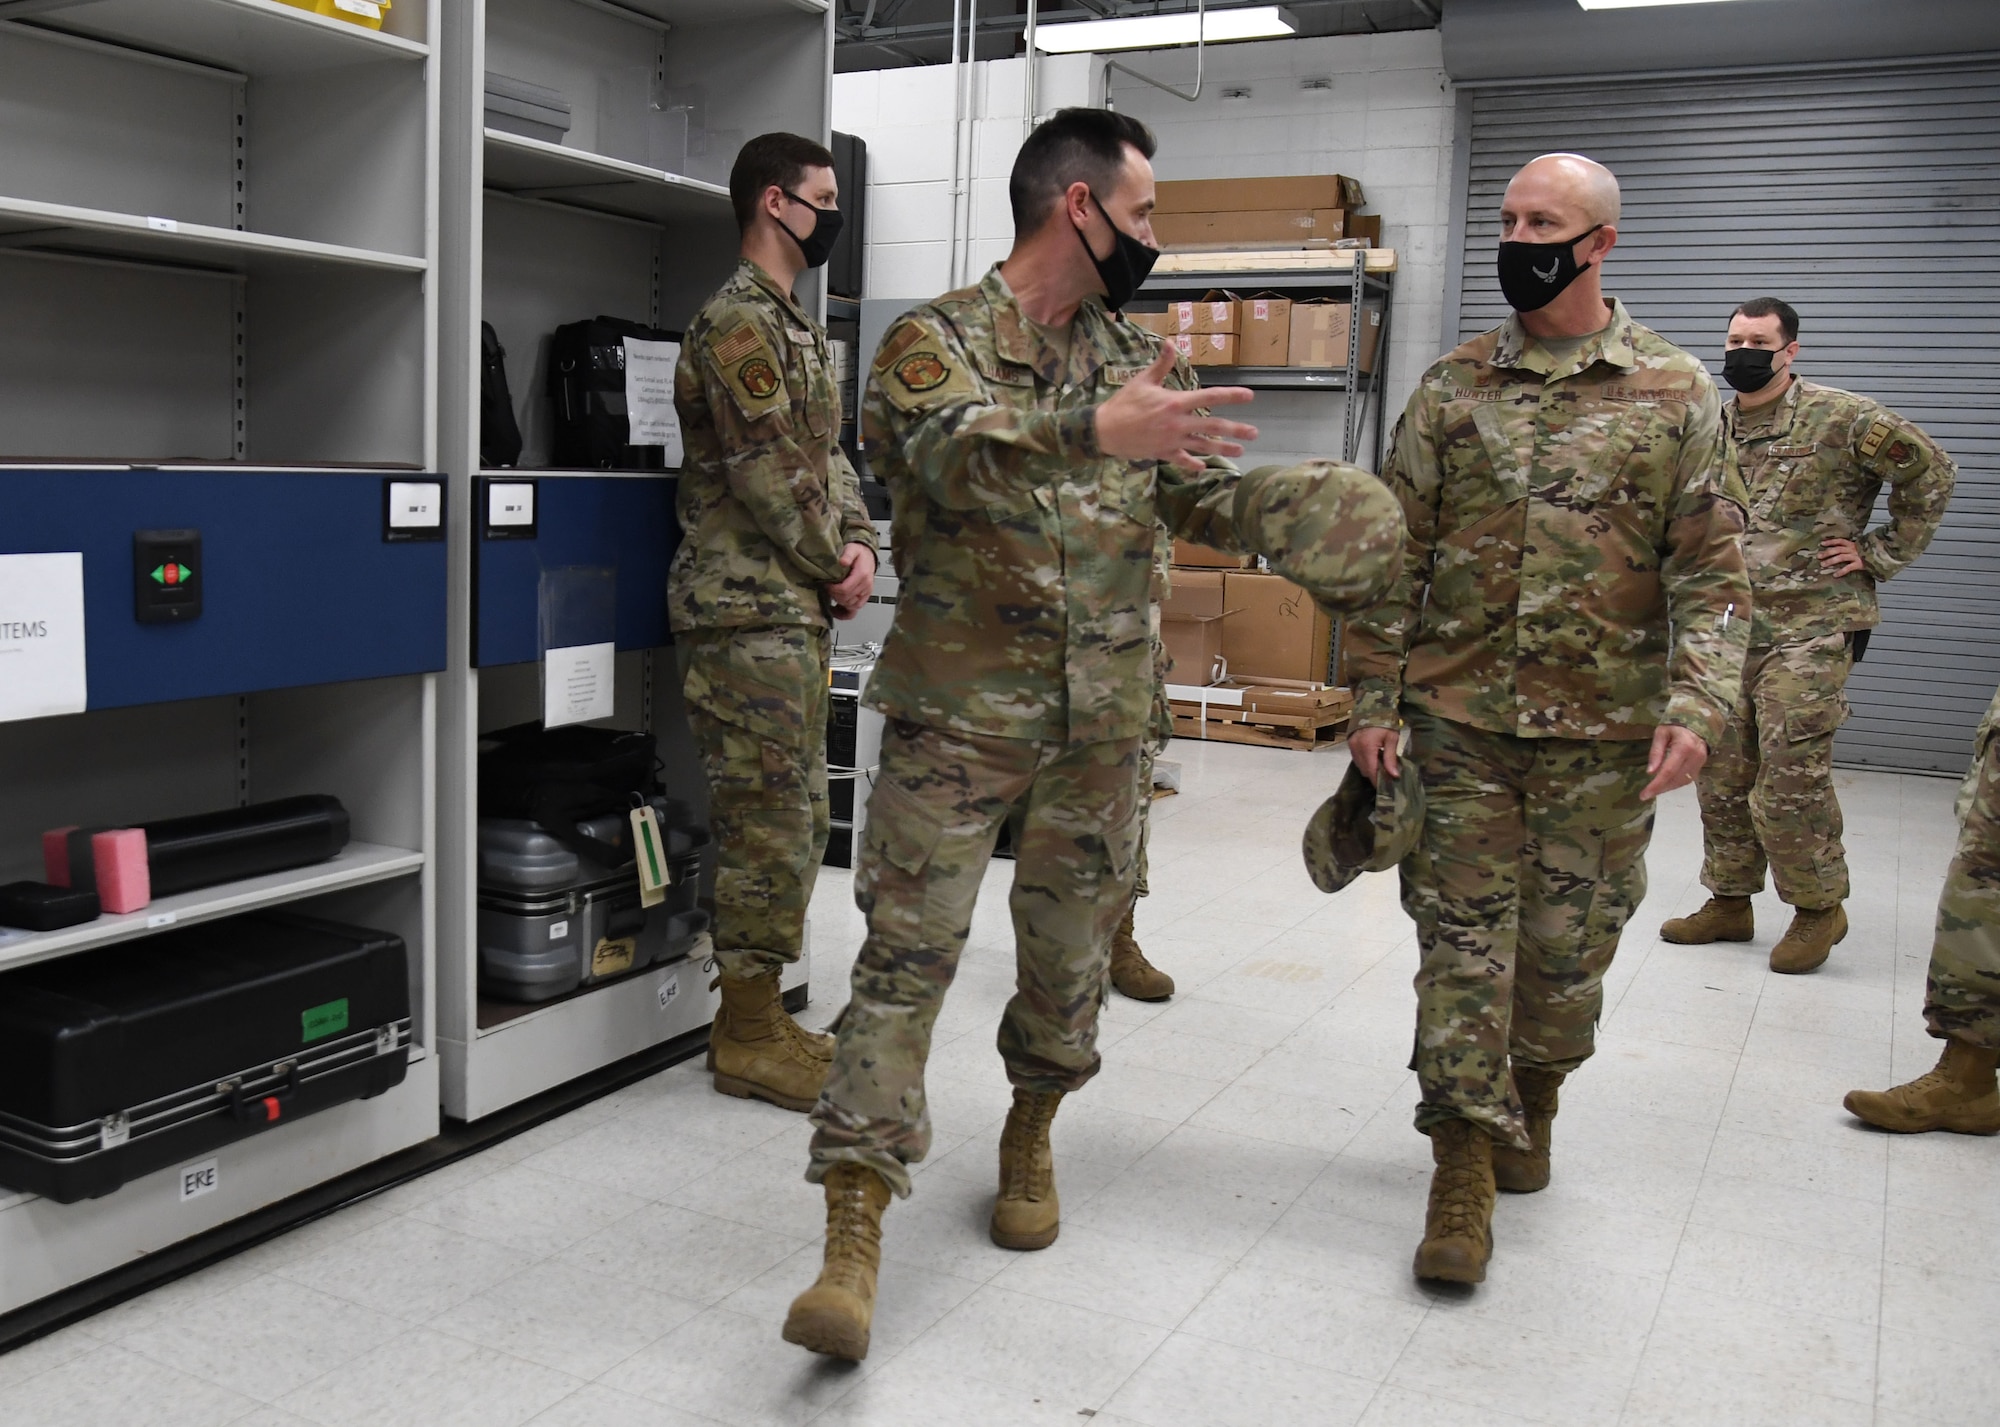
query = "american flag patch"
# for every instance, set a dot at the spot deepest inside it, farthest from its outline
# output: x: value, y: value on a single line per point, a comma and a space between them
x: 732, y: 347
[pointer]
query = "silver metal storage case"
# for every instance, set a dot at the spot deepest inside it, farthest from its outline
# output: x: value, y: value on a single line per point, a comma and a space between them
x: 551, y: 921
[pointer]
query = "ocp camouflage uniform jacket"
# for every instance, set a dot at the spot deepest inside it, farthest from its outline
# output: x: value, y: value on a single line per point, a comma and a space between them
x: 1026, y: 554
x: 1813, y: 462
x: 1563, y: 518
x: 767, y: 498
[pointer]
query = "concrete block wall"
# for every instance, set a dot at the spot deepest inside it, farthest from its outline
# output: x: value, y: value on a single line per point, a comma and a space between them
x: 1386, y: 119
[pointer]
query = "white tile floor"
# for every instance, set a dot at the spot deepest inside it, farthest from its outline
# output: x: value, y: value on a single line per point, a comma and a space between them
x: 1242, y: 1193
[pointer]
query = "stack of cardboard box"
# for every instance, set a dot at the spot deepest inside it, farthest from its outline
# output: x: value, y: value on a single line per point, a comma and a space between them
x: 1248, y: 654
x: 1193, y: 215
x: 1224, y: 330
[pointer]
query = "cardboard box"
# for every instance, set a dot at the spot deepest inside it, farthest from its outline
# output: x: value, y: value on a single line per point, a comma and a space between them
x: 1319, y: 334
x: 1190, y: 556
x: 1191, y: 625
x: 1276, y: 630
x: 1279, y: 226
x: 1216, y: 312
x: 1246, y: 195
x: 1214, y: 349
x: 1264, y: 331
x: 1160, y: 324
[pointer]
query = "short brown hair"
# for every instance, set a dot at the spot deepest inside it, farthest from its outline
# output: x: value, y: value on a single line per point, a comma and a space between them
x: 1787, y: 315
x: 780, y: 159
x: 1071, y: 144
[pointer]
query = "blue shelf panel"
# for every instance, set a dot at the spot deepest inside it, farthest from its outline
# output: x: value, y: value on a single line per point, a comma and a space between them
x: 625, y: 523
x: 299, y: 585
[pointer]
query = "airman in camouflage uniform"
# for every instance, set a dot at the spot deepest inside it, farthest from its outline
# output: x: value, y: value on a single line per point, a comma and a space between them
x: 1813, y: 460
x: 1962, y: 999
x: 773, y: 518
x: 1575, y: 522
x: 1016, y: 680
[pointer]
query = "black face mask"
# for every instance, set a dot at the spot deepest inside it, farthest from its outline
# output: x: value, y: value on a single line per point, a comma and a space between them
x: 1749, y: 368
x: 818, y: 244
x: 1123, y: 271
x: 1532, y: 275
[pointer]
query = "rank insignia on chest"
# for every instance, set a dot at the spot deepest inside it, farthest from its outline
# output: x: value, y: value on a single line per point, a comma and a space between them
x: 922, y: 371
x: 758, y: 378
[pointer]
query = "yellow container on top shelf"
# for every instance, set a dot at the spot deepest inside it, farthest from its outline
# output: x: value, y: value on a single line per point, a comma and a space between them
x: 365, y: 13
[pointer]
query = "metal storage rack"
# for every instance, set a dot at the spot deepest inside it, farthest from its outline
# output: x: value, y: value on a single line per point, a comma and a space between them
x: 628, y: 216
x: 1364, y: 288
x: 217, y: 259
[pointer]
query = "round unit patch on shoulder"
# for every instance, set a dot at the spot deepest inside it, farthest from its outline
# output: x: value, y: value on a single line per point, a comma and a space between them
x: 758, y: 377
x: 922, y: 371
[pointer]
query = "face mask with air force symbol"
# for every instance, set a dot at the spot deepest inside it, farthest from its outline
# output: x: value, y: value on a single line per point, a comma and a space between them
x: 1532, y: 275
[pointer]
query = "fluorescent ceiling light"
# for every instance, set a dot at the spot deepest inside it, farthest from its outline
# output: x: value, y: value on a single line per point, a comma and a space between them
x: 1639, y: 4
x: 1152, y: 32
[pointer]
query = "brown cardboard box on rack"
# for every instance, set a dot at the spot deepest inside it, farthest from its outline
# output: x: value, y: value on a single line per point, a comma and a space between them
x: 1264, y: 331
x: 1160, y: 324
x: 1277, y: 630
x: 1214, y: 349
x: 1279, y: 225
x: 1240, y: 195
x: 1320, y: 331
x: 1191, y: 626
x: 1190, y: 556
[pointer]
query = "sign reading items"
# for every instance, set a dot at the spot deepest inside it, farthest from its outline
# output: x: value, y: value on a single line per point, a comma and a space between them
x: 41, y: 636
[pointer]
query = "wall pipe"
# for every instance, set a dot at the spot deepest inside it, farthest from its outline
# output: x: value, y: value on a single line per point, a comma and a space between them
x: 957, y: 118
x: 1028, y: 84
x: 1200, y: 37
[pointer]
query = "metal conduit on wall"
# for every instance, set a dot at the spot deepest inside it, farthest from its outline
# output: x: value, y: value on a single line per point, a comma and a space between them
x: 1869, y: 198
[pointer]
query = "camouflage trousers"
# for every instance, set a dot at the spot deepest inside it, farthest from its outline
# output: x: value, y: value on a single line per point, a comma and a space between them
x: 757, y: 706
x: 1157, y: 739
x: 933, y: 819
x: 1767, y: 790
x: 1963, y: 997
x: 1531, y: 860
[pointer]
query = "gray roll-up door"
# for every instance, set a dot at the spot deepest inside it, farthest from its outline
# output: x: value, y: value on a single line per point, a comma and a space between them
x: 1870, y: 200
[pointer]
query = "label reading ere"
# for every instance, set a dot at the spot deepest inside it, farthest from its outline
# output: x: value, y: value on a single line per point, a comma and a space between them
x: 198, y: 1179
x: 669, y: 989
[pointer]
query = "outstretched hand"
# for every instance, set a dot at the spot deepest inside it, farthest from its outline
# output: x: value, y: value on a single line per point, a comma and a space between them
x: 1148, y: 421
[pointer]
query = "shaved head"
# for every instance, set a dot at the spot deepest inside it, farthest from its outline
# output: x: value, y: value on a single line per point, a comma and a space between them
x: 1582, y: 183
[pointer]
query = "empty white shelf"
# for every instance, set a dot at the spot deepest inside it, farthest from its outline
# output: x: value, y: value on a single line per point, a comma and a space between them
x: 256, y: 37
x: 28, y: 224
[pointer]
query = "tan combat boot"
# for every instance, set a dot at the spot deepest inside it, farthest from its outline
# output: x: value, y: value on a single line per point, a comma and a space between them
x: 1026, y: 1213
x: 1131, y: 974
x: 756, y: 1049
x: 1809, y: 939
x: 1523, y: 1172
x: 1961, y: 1095
x: 833, y: 1316
x: 1458, y: 1224
x: 1720, y: 919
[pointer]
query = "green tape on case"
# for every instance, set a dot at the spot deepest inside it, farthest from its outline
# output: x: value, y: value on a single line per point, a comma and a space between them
x: 322, y: 1021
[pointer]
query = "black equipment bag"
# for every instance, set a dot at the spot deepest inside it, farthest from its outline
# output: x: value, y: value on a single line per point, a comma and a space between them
x: 587, y: 397
x: 847, y: 266
x: 499, y: 433
x: 211, y: 848
x: 566, y: 778
x: 118, y: 1062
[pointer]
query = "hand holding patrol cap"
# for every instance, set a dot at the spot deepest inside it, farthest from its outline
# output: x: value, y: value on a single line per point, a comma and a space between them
x: 1363, y: 827
x: 1330, y: 528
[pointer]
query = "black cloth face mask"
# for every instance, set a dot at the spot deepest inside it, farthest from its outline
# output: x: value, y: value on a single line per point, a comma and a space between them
x: 818, y: 244
x: 1749, y: 368
x: 1532, y: 275
x: 1126, y: 267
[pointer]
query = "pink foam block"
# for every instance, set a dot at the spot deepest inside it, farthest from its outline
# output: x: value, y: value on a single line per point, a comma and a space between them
x: 55, y: 855
x: 123, y: 883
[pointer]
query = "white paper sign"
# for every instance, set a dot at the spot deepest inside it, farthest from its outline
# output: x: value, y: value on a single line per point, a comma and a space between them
x: 649, y: 396
x: 670, y: 989
x: 576, y: 684
x: 41, y: 636
x: 199, y: 1179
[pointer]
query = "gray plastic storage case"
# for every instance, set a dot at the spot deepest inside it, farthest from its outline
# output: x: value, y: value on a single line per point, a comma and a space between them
x: 547, y: 925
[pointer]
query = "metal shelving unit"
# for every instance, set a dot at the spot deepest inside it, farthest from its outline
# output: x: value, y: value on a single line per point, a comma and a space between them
x: 218, y: 250
x: 1366, y: 289
x: 627, y: 216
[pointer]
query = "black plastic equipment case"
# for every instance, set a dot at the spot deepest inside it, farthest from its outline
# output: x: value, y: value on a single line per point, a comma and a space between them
x: 118, y: 1062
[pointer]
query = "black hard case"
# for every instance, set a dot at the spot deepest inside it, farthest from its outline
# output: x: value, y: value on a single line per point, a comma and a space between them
x: 119, y: 1062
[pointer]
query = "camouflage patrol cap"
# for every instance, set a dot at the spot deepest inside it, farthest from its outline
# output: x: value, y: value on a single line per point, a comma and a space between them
x: 1358, y: 830
x: 1333, y: 529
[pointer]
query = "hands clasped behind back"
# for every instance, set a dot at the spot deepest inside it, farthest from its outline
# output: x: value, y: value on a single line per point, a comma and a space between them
x: 1149, y: 421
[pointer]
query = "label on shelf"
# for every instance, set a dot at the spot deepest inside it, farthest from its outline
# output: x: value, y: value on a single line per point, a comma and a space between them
x: 366, y: 9
x: 510, y: 504
x: 42, y: 671
x: 670, y: 989
x: 163, y: 225
x: 577, y: 683
x: 416, y: 505
x: 558, y: 930
x: 649, y: 396
x: 162, y: 919
x: 196, y: 1180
